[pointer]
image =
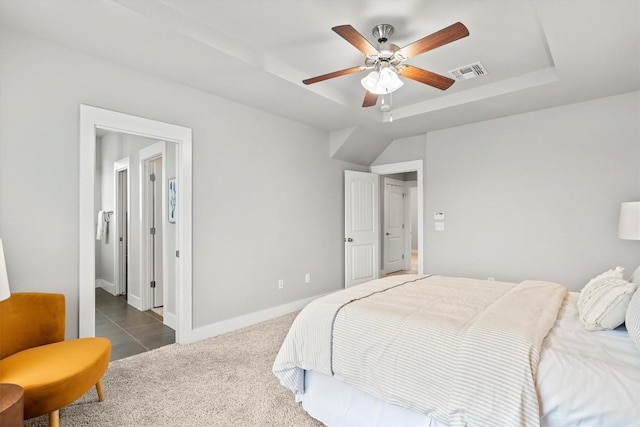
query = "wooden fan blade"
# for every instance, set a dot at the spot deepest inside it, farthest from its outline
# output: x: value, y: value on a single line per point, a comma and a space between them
x: 426, y: 77
x: 332, y: 75
x: 437, y: 39
x: 370, y: 99
x: 350, y: 34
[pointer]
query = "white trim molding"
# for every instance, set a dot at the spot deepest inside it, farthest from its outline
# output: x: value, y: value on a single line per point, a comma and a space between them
x: 92, y: 118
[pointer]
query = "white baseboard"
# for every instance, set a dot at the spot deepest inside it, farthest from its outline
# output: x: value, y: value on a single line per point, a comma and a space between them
x: 107, y: 286
x: 169, y: 319
x: 134, y: 301
x: 229, y: 325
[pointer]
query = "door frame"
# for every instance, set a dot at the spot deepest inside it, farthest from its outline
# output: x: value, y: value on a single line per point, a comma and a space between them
x: 92, y: 118
x: 403, y: 167
x: 407, y: 244
x: 119, y: 166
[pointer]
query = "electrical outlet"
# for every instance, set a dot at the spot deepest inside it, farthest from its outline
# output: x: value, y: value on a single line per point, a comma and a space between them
x: 280, y: 284
x: 307, y: 278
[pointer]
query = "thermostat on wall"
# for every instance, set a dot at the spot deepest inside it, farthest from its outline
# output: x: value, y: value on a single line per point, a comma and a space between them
x: 438, y: 216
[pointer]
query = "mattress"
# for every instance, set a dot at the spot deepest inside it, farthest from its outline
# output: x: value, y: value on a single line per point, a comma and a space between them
x: 584, y: 379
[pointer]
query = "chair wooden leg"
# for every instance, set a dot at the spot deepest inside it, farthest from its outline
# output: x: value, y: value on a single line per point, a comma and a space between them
x: 99, y: 390
x: 54, y: 419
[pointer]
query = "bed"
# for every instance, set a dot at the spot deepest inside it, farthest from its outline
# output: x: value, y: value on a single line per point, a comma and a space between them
x: 440, y: 351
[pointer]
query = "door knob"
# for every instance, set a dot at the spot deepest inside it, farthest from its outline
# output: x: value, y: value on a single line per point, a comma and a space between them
x: 388, y: 234
x: 348, y: 239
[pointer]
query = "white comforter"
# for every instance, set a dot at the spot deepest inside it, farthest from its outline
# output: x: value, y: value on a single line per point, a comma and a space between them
x: 461, y: 351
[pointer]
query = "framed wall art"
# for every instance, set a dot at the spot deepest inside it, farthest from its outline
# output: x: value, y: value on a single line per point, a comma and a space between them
x: 173, y: 200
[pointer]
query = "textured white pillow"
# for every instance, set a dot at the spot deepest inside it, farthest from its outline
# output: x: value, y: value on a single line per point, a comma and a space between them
x: 603, y: 301
x: 617, y: 272
x: 632, y: 318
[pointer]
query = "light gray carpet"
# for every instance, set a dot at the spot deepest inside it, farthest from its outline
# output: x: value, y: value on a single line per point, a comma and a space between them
x: 222, y: 381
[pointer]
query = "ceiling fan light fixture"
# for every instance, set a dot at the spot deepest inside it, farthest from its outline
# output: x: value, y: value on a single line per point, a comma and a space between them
x: 382, y: 82
x: 370, y: 82
x: 389, y: 80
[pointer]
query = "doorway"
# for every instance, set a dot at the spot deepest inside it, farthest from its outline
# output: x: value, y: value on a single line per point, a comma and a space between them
x: 93, y: 120
x: 362, y: 225
x: 399, y: 224
x: 395, y: 256
x: 413, y: 176
x: 122, y: 313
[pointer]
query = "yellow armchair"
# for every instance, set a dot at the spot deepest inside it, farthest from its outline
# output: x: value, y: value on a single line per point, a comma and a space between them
x: 33, y: 354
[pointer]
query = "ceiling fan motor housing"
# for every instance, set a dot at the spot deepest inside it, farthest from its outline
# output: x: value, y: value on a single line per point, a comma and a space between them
x: 386, y: 51
x: 382, y: 32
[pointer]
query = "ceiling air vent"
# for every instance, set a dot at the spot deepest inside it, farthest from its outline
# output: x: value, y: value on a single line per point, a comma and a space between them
x: 468, y: 71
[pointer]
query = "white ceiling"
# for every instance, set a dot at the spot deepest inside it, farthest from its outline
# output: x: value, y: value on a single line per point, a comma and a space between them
x: 538, y: 54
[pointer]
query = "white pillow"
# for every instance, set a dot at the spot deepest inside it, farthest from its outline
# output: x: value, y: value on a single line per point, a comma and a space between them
x: 617, y: 272
x: 635, y: 277
x: 632, y: 319
x: 603, y: 301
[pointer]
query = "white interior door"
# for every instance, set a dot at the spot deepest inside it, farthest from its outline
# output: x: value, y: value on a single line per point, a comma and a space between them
x: 155, y: 217
x: 122, y: 221
x: 394, y: 225
x: 361, y: 225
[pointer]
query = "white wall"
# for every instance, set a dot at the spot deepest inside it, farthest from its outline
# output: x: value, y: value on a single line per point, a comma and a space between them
x: 536, y: 195
x: 106, y: 154
x: 403, y: 150
x: 279, y: 218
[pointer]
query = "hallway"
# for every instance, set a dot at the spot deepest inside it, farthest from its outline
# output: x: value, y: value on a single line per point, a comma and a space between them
x: 414, y: 267
x: 131, y: 331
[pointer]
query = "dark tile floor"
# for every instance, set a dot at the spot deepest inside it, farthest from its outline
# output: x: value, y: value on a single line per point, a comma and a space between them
x: 131, y: 331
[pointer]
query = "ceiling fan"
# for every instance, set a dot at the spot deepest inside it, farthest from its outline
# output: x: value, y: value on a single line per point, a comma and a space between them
x: 387, y: 62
